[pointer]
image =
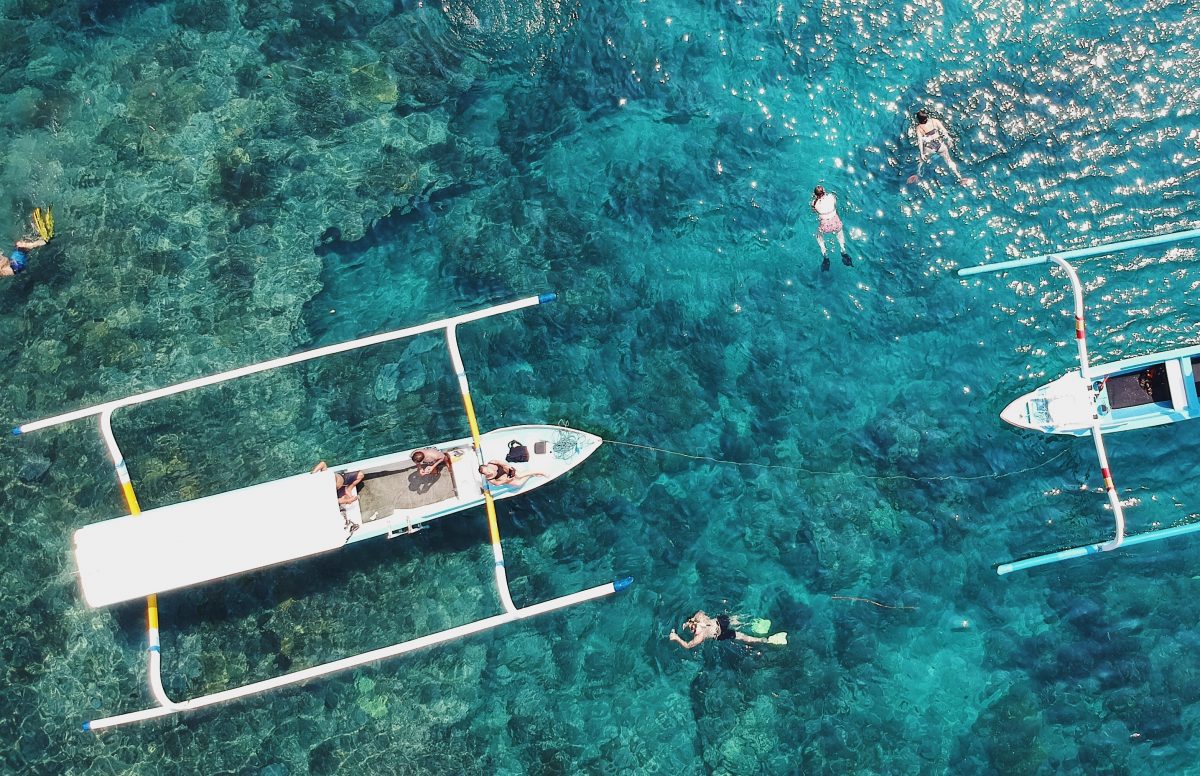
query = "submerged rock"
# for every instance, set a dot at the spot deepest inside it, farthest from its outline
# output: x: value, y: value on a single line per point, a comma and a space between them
x: 33, y: 468
x: 386, y: 388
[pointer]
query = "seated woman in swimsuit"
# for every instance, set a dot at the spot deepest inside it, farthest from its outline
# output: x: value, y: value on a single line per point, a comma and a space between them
x: 704, y: 627
x: 932, y: 139
x: 500, y: 473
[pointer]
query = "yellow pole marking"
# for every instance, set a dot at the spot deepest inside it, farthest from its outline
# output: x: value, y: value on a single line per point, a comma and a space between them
x: 488, y: 502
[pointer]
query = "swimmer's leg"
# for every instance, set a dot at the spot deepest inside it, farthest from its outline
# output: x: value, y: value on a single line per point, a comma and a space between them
x: 950, y: 163
x: 738, y: 635
x: 842, y: 246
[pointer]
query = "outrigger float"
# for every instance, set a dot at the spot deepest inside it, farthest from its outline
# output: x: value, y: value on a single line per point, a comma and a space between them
x: 1132, y: 393
x: 296, y: 517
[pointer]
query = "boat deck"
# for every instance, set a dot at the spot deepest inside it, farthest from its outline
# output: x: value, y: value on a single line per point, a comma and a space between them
x: 1134, y: 389
x: 387, y: 489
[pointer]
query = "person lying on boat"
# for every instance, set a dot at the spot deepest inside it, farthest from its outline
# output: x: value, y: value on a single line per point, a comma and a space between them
x: 347, y: 483
x: 429, y: 460
x: 500, y: 473
x: 724, y: 627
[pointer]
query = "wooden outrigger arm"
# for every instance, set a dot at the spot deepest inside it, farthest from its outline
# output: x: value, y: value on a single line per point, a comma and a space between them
x: 1119, y: 539
x: 166, y: 706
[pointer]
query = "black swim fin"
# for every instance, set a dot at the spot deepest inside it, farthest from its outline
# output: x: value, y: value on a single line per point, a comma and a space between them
x: 846, y: 260
x: 825, y: 264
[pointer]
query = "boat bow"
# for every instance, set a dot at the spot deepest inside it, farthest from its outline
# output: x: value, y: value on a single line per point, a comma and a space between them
x: 1065, y: 406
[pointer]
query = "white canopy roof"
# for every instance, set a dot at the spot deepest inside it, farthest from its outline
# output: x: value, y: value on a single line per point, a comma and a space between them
x: 209, y: 538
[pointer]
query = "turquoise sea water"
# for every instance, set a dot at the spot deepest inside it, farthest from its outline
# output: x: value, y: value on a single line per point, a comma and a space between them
x: 238, y: 181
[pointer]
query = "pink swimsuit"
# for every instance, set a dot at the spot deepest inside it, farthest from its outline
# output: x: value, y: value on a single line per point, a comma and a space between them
x: 827, y: 217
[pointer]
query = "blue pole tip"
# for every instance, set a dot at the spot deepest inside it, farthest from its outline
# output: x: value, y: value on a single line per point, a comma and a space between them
x: 546, y: 298
x: 622, y: 583
x: 87, y: 726
x: 17, y: 431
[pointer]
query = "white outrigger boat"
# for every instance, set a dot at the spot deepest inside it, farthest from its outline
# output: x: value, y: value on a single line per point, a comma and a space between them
x: 1132, y: 393
x: 296, y: 517
x: 1139, y: 392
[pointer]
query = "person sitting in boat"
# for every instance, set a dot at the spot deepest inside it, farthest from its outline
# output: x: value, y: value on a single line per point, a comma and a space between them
x: 429, y: 460
x: 346, y: 482
x: 723, y: 627
x: 500, y: 473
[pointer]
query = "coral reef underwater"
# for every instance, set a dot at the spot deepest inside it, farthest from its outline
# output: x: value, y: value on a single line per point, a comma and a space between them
x: 234, y: 181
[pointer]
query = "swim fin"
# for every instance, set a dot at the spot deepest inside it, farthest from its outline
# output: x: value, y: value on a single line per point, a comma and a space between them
x: 44, y: 223
x: 779, y: 639
x: 760, y: 627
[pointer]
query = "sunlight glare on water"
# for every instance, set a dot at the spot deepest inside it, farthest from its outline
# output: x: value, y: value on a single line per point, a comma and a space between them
x: 239, y: 181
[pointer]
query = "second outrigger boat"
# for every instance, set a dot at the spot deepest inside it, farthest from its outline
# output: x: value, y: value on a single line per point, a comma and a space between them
x: 1139, y: 392
x: 1133, y: 393
x: 187, y: 544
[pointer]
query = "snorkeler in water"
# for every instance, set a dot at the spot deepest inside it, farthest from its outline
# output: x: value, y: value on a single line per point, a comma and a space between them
x: 724, y: 627
x: 18, y: 259
x: 824, y: 205
x: 932, y: 139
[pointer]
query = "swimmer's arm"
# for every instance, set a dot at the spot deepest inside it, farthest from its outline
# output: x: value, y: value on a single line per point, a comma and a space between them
x: 695, y: 642
x: 28, y: 245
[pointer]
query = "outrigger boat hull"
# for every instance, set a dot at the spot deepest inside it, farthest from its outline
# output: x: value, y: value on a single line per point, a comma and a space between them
x: 1138, y: 392
x: 207, y: 539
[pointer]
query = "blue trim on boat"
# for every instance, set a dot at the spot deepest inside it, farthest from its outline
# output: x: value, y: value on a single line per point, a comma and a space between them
x: 1149, y: 359
x: 1092, y: 549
